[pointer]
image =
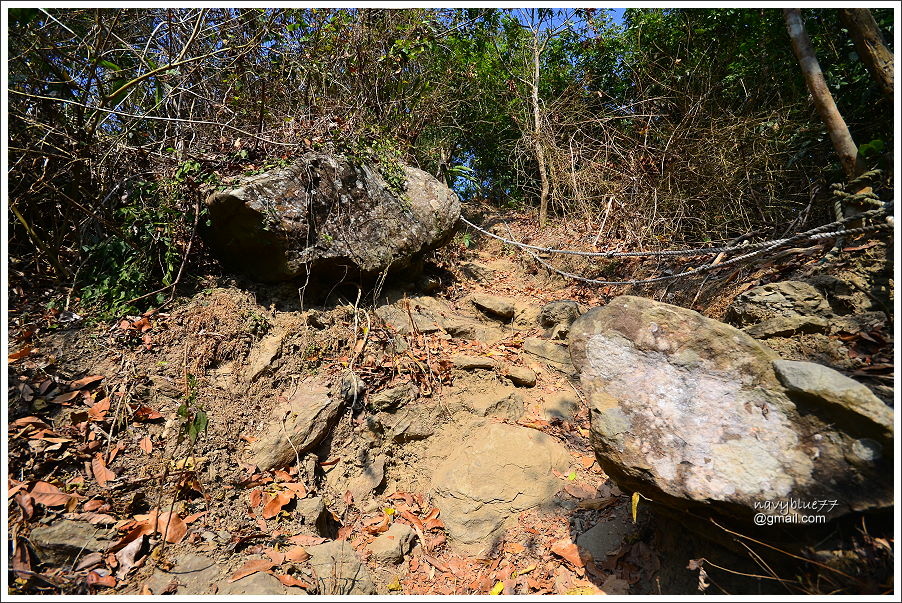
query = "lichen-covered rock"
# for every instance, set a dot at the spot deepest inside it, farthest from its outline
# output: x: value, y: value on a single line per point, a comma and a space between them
x: 328, y: 213
x: 689, y: 412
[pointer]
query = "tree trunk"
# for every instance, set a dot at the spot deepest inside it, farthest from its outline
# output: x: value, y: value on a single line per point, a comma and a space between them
x: 537, y: 130
x: 870, y: 46
x: 845, y: 147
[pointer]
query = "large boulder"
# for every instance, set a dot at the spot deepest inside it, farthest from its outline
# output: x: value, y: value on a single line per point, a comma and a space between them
x: 329, y: 213
x: 691, y: 413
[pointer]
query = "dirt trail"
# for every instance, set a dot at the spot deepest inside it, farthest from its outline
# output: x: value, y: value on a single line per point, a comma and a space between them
x: 416, y: 382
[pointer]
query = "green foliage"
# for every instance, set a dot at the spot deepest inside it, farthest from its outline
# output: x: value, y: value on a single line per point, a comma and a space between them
x: 194, y: 418
x: 142, y: 257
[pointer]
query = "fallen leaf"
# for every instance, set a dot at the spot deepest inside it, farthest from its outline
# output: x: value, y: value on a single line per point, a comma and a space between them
x: 579, y: 491
x: 306, y: 540
x: 145, y: 590
x: 497, y: 589
x: 255, y: 497
x: 67, y: 397
x: 146, y: 445
x: 49, y: 495
x: 297, y: 488
x: 101, y: 473
x: 172, y: 526
x: 16, y: 356
x: 435, y: 563
x: 282, y: 475
x: 587, y: 461
x: 99, y: 410
x: 598, y: 503
x: 85, y: 381
x: 146, y: 413
x: 297, y: 554
x: 292, y: 581
x: 95, y: 579
x: 275, y: 504
x: 252, y: 567
x: 567, y: 550
x: 634, y: 505
x: 128, y: 556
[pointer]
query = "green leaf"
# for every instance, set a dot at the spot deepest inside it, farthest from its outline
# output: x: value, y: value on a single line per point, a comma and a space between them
x: 109, y: 65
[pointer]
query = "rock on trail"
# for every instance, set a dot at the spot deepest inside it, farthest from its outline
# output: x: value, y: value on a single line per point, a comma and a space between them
x: 691, y: 413
x: 328, y: 213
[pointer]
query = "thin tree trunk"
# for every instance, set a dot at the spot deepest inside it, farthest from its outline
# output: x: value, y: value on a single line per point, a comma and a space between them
x: 870, y: 46
x: 843, y: 144
x: 537, y: 131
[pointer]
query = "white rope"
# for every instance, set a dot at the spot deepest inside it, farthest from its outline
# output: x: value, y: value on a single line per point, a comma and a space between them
x: 813, y: 234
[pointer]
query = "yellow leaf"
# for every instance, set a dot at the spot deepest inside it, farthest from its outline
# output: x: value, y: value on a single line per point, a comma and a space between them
x: 572, y: 476
x: 635, y: 505
x: 389, y: 511
x: 394, y: 584
x: 497, y: 589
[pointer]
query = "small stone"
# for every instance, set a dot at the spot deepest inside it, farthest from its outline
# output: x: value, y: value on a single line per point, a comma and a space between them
x: 469, y: 363
x: 310, y: 510
x: 521, y: 376
x: 60, y: 543
x: 786, y: 326
x: 259, y: 583
x: 192, y: 573
x: 555, y: 354
x: 339, y: 570
x: 394, y: 397
x: 557, y: 316
x: 263, y: 354
x: 372, y: 477
x: 352, y: 388
x: 391, y: 546
x: 836, y: 392
x: 494, y: 306
x: 295, y: 427
x: 409, y: 424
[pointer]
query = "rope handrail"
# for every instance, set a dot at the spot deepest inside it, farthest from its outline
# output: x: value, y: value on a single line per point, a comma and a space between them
x: 674, y: 252
x: 817, y: 233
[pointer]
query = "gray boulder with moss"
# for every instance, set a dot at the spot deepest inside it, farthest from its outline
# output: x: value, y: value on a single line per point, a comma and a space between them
x: 330, y: 215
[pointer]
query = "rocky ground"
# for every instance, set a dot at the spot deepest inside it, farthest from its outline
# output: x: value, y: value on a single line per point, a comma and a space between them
x: 425, y: 439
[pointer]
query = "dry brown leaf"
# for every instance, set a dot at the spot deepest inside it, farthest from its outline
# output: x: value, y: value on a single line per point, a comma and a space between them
x: 49, y: 495
x: 278, y: 557
x: 101, y: 473
x: 16, y: 356
x: 85, y: 381
x: 146, y: 445
x: 281, y: 475
x: 569, y: 551
x: 172, y: 526
x: 297, y: 488
x: 194, y: 516
x: 251, y: 567
x: 587, y: 461
x: 145, y: 590
x: 99, y: 410
x: 275, y: 504
x: 514, y: 548
x: 93, y: 505
x: 292, y: 581
x: 297, y: 554
x: 21, y: 559
x: 306, y: 540
x: 67, y: 397
x: 95, y: 579
x: 256, y: 497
